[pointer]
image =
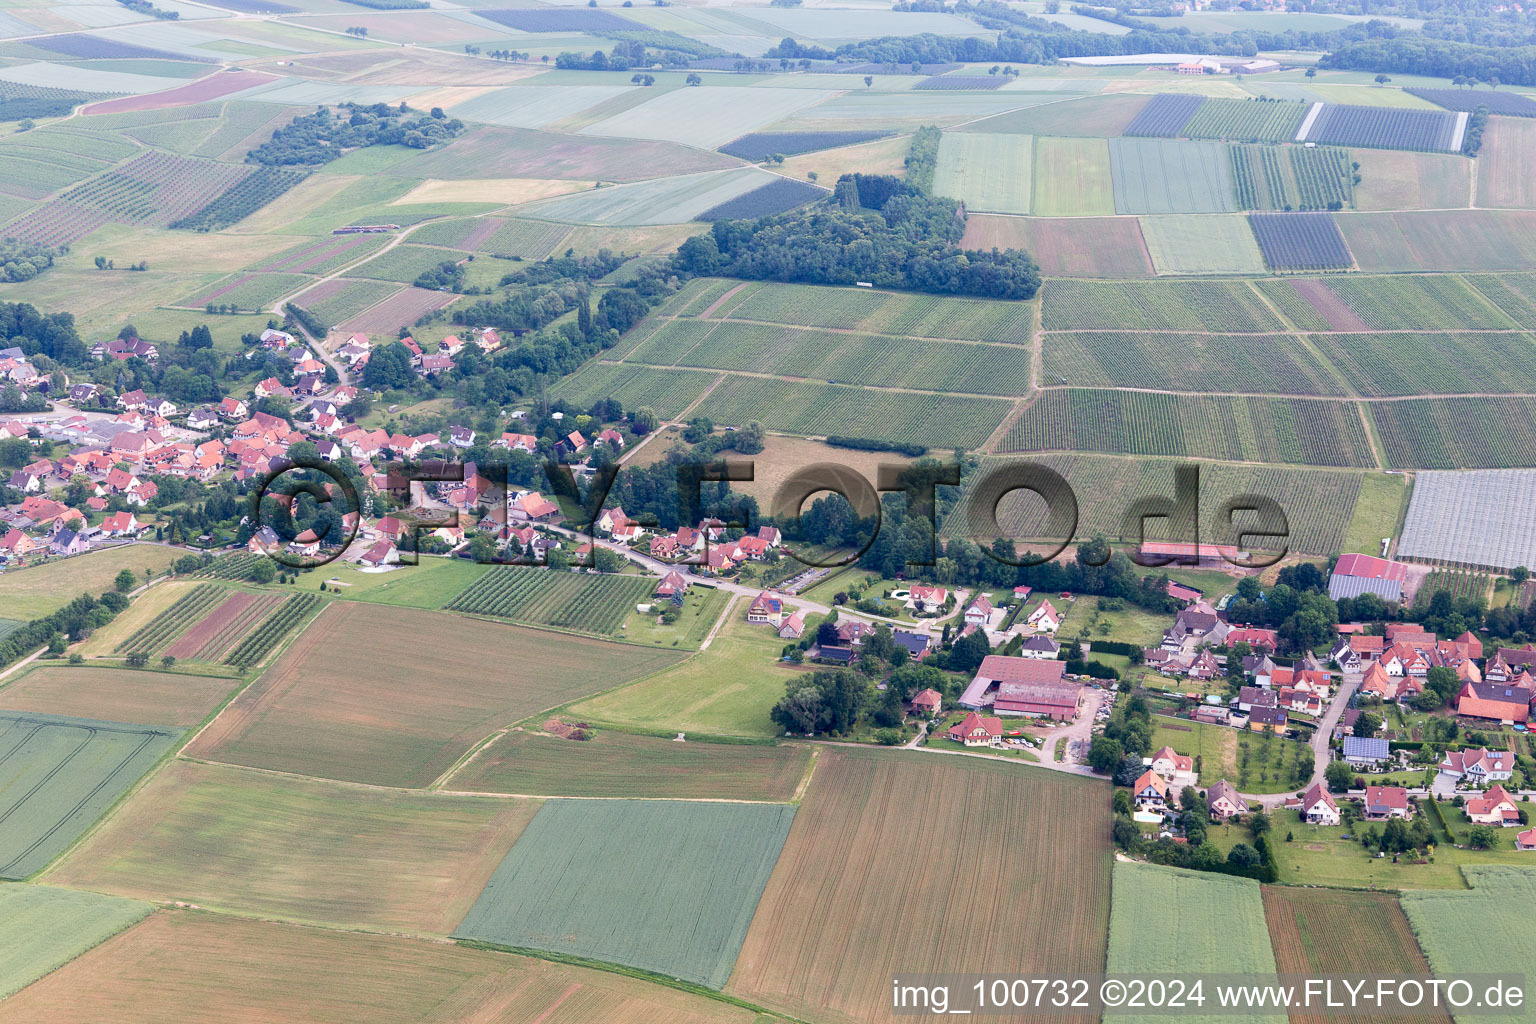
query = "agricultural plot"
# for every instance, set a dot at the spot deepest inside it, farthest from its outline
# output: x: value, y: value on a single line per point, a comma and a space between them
x: 597, y: 605
x: 1072, y: 178
x: 953, y: 82
x: 42, y: 589
x: 60, y: 774
x: 872, y: 815
x: 1168, y: 919
x: 1291, y: 177
x: 757, y: 146
x: 1503, y: 165
x: 1240, y: 363
x: 766, y: 200
x: 405, y: 263
x: 812, y: 409
x: 1457, y: 584
x: 579, y: 863
x: 986, y: 172
x: 1422, y: 302
x: 246, y: 291
x: 1182, y: 244
x: 1445, y: 240
x: 707, y: 116
x: 903, y: 110
x: 1423, y: 181
x: 214, y: 968
x: 1300, y: 241
x: 1461, y: 518
x: 1292, y: 430
x: 673, y: 200
x: 45, y: 928
x: 1164, y: 116
x: 343, y: 297
x: 423, y: 711
x: 254, y: 646
x: 121, y: 695
x: 1457, y: 433
x: 164, y: 628
x: 1076, y: 247
x: 1385, y: 128
x: 618, y: 764
x: 351, y: 857
x: 531, y: 154
x: 564, y: 20
x: 1318, y: 503
x: 155, y: 189
x: 1515, y: 294
x: 219, y: 630
x: 1461, y: 930
x: 881, y: 312
x: 1156, y: 306
x: 1251, y: 120
x: 530, y: 106
x: 1508, y: 104
x: 324, y: 256
x: 1103, y: 117
x: 667, y: 392
x: 1167, y: 176
x: 525, y: 239
x: 401, y: 309
x: 1387, y: 365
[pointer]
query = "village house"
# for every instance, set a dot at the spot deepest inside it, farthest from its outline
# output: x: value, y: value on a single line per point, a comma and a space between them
x: 1318, y: 806
x: 1274, y: 720
x: 977, y: 731
x: 1526, y: 841
x: 1368, y: 752
x: 978, y: 611
x: 925, y: 600
x: 1223, y: 801
x: 1040, y: 647
x: 1045, y: 619
x: 381, y: 553
x: 16, y: 544
x: 1173, y: 766
x: 120, y: 524
x: 928, y: 703
x: 766, y: 609
x: 1479, y: 766
x: 1383, y: 802
x: 916, y: 644
x: 68, y: 542
x: 1150, y: 792
x: 1501, y: 702
x: 793, y: 627
x: 1495, y: 807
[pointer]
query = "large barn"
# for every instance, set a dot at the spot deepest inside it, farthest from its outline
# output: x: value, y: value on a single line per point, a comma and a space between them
x: 1365, y: 574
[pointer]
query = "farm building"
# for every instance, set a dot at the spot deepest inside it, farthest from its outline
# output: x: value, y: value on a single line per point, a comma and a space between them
x: 976, y: 730
x: 1364, y: 574
x: 1023, y: 686
x: 1502, y: 702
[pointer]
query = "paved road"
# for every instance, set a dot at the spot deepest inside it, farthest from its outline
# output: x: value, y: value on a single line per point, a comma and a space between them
x: 1320, y: 742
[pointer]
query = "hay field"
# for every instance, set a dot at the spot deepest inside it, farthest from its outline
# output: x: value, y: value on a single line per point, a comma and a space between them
x: 1072, y: 178
x: 215, y: 969
x: 913, y: 861
x: 300, y: 849
x: 622, y: 765
x: 419, y: 689
x: 119, y: 695
x: 573, y: 882
x: 32, y: 593
x: 1394, y: 180
x: 1332, y: 931
x: 1168, y: 920
x: 490, y: 190
x: 986, y: 172
x: 42, y: 928
x: 58, y: 775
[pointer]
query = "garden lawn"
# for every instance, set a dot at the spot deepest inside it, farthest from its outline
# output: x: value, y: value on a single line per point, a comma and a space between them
x: 665, y: 886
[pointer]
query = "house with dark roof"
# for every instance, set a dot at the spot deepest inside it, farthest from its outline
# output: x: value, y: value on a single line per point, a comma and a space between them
x: 1366, y: 751
x: 1268, y: 720
x: 917, y: 644
x: 1224, y: 801
x: 1501, y: 702
x: 1383, y: 802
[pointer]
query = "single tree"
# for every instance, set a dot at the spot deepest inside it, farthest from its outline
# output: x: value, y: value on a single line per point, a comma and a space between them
x: 125, y: 581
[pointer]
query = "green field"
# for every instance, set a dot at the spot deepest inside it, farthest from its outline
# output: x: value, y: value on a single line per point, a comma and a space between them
x: 1169, y: 176
x: 667, y: 392
x: 404, y: 263
x: 1202, y: 245
x: 1422, y: 302
x: 569, y: 884
x: 663, y: 201
x: 1168, y: 920
x: 1441, y: 240
x: 42, y: 929
x: 986, y: 172
x: 1251, y: 120
x: 1380, y: 504
x: 1382, y: 364
x: 1104, y: 116
x: 726, y: 690
x: 429, y: 585
x: 61, y: 775
x: 28, y: 594
x: 1239, y: 363
x: 1318, y: 503
x: 617, y: 764
x: 881, y: 312
x: 1308, y: 433
x: 1293, y: 178
x: 1156, y: 306
x: 1072, y: 178
x: 1486, y: 929
x: 1457, y: 433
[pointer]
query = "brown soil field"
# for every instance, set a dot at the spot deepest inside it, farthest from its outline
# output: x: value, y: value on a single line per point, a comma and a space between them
x: 300, y: 849
x: 116, y: 695
x: 1332, y: 308
x: 881, y: 156
x: 927, y: 862
x: 394, y: 696
x: 1334, y: 931
x: 400, y: 309
x: 782, y: 456
x: 1443, y: 240
x: 217, y: 631
x: 512, y: 191
x: 419, y: 27
x: 1504, y: 175
x: 211, y: 88
x: 1067, y: 246
x: 218, y: 970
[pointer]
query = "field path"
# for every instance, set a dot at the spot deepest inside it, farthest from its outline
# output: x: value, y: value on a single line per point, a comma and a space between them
x: 721, y: 621
x: 721, y: 301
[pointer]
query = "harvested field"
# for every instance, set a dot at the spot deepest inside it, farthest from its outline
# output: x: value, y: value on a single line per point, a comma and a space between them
x: 1504, y: 176
x: 1426, y: 181
x: 215, y: 969
x: 60, y: 774
x: 227, y: 81
x: 120, y: 695
x: 570, y: 882
x: 42, y: 929
x: 1445, y: 240
x: 350, y: 857
x: 1329, y: 931
x: 621, y: 765
x: 510, y: 191
x: 762, y: 145
x: 398, y: 310
x: 403, y: 714
x: 1067, y: 247
x: 520, y: 153
x: 219, y: 630
x: 832, y: 929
